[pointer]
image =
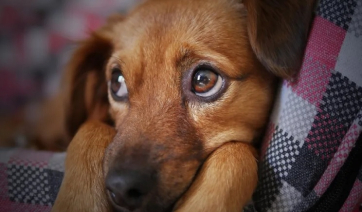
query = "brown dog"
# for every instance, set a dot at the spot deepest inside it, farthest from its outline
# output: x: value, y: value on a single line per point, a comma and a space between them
x: 189, y: 85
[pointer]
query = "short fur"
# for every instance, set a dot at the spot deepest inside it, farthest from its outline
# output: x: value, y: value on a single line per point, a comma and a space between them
x: 200, y: 151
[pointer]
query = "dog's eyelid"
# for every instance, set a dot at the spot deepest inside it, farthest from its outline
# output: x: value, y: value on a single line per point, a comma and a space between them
x: 218, y: 68
x: 117, y: 69
x: 118, y: 60
x: 115, y: 62
x: 241, y: 77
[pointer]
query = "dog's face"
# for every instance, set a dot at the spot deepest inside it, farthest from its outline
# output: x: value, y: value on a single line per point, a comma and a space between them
x: 180, y: 84
x: 182, y: 78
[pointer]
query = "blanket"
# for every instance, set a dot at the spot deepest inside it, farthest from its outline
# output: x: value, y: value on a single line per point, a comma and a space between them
x: 311, y: 155
x: 29, y: 180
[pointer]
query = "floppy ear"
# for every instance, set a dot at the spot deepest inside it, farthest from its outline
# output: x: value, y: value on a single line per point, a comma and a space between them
x: 278, y: 31
x: 86, y: 92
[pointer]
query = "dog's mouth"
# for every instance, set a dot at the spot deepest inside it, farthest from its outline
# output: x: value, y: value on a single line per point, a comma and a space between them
x: 119, y: 205
x: 117, y: 208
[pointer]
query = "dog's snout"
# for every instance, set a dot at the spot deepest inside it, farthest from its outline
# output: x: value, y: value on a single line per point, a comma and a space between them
x: 129, y: 188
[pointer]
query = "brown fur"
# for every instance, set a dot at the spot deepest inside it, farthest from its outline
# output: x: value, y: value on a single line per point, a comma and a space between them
x: 278, y: 31
x: 191, y: 145
x: 235, y: 159
x: 87, y: 185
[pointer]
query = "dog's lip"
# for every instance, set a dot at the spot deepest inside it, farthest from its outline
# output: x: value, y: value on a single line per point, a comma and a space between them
x: 117, y: 208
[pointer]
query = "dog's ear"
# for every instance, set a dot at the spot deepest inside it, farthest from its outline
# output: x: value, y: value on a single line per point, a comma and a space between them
x: 86, y: 90
x: 278, y: 31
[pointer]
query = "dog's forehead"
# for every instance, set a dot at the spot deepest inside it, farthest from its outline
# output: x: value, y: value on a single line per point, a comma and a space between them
x: 160, y: 28
x: 199, y: 20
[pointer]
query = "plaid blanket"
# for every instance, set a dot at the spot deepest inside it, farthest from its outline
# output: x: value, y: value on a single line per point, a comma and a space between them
x: 313, y: 145
x: 29, y: 180
x: 312, y: 152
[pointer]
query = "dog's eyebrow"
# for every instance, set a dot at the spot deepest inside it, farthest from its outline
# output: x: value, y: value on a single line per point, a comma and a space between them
x: 118, y: 59
x: 187, y: 57
x: 183, y: 59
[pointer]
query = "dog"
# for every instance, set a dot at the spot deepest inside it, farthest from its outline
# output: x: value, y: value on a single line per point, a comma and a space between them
x: 186, y: 88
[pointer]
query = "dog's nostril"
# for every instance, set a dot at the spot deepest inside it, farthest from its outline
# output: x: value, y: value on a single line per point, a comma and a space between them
x: 130, y: 199
x: 128, y: 188
x: 134, y: 193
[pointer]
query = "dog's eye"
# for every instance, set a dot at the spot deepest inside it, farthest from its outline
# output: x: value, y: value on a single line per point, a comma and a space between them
x: 117, y: 85
x: 206, y: 82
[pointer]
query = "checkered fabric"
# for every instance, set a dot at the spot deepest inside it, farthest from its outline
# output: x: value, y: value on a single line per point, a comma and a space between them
x: 315, y: 128
x: 29, y: 180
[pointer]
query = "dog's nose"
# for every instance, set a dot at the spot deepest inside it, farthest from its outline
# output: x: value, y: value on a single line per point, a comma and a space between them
x: 128, y: 188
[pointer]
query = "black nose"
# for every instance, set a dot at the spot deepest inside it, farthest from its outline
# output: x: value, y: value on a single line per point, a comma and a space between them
x: 129, y: 188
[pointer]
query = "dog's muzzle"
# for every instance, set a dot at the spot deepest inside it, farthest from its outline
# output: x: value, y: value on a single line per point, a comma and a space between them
x: 129, y: 188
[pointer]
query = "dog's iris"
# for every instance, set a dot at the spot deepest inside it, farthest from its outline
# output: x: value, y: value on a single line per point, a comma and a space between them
x: 206, y: 83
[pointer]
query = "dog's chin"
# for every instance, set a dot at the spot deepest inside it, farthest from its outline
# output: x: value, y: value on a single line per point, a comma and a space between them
x: 151, y: 206
x: 147, y: 208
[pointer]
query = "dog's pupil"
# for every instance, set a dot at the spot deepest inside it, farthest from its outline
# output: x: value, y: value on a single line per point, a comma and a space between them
x: 202, y: 78
x: 115, y: 82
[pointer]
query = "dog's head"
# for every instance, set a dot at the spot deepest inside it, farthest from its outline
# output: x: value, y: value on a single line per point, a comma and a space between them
x: 179, y: 79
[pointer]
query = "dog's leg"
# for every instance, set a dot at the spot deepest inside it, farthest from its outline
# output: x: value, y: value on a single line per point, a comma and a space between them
x: 225, y: 182
x: 83, y: 188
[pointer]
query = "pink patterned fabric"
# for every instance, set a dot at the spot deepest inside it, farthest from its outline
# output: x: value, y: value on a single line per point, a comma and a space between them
x: 29, y: 180
x: 311, y: 160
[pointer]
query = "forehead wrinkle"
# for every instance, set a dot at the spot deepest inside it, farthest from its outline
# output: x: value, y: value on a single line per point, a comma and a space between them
x: 154, y: 75
x: 130, y: 58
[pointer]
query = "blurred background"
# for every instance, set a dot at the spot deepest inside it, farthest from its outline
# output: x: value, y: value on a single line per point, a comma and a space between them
x: 36, y: 40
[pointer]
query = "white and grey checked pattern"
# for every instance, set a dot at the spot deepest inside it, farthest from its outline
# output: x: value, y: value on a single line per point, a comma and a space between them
x: 287, y: 199
x: 337, y: 11
x: 306, y: 202
x: 278, y: 161
x: 5, y: 155
x: 355, y: 27
x: 349, y: 61
x: 57, y: 162
x: 282, y: 151
x: 268, y: 187
x: 339, y: 106
x: 28, y: 185
x: 297, y: 117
